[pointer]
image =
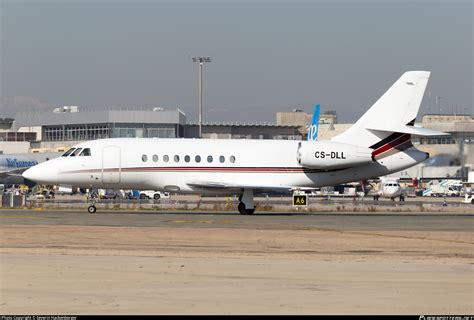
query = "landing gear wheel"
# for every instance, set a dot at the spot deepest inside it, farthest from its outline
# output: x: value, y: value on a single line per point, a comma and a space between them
x: 243, y: 210
x: 156, y: 196
x: 91, y: 209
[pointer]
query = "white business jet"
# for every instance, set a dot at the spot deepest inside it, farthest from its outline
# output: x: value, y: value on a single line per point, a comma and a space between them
x: 379, y: 143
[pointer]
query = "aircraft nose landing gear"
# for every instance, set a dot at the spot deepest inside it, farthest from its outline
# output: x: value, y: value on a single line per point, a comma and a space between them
x: 91, y: 209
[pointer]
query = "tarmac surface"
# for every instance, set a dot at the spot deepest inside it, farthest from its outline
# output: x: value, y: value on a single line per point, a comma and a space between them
x: 148, y: 262
x: 413, y: 221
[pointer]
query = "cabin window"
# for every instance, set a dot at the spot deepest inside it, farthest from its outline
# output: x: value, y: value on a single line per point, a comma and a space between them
x: 68, y: 152
x: 232, y: 159
x: 155, y: 158
x: 85, y: 153
x: 176, y: 158
x: 166, y: 158
x: 209, y: 159
x: 144, y: 158
x: 197, y: 159
x: 187, y: 158
x: 76, y: 152
x: 221, y: 159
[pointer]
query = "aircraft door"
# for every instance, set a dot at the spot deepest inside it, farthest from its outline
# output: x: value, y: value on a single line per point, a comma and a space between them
x: 111, y: 164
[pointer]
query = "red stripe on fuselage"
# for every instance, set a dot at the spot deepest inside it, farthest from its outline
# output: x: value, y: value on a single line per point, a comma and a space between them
x: 207, y: 169
x: 222, y: 169
x: 392, y: 144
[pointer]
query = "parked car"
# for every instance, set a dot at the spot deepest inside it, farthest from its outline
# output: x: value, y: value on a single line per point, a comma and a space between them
x: 468, y: 199
x: 153, y: 194
x: 44, y: 194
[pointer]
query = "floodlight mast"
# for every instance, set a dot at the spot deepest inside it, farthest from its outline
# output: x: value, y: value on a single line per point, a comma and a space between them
x: 201, y: 61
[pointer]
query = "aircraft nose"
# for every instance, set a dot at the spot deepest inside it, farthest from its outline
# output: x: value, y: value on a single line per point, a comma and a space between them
x: 41, y: 173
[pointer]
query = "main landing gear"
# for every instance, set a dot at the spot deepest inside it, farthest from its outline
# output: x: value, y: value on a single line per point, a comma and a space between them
x: 246, y: 205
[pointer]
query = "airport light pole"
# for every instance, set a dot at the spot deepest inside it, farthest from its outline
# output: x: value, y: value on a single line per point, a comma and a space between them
x: 201, y: 61
x: 438, y: 104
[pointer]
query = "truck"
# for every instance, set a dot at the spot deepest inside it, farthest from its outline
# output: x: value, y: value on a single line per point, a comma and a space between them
x: 443, y: 188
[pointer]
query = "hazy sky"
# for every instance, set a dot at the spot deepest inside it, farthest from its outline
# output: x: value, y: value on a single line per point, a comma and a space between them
x: 267, y: 56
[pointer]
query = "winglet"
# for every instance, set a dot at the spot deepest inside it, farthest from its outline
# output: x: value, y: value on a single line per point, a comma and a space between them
x: 313, y: 129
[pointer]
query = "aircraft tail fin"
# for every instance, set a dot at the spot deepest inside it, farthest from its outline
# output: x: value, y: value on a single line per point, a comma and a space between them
x: 392, y: 116
x: 313, y: 128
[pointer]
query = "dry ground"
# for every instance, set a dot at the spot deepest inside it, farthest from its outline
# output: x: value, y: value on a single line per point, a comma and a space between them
x: 154, y: 270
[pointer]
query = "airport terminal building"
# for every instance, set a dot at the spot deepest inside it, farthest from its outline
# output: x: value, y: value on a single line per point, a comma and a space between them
x: 56, y: 131
x: 70, y: 124
x: 66, y: 126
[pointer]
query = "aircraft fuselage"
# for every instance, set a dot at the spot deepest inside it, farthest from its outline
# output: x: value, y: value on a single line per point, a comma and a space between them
x: 179, y: 165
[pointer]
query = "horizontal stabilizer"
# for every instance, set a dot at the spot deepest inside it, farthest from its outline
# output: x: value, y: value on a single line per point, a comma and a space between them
x: 413, y: 130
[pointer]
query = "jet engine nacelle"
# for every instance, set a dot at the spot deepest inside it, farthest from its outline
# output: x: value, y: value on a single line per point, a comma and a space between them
x: 332, y: 155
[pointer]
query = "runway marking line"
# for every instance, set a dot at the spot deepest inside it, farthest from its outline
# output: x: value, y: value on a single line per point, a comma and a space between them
x: 203, y: 221
x: 375, y: 233
x: 20, y: 217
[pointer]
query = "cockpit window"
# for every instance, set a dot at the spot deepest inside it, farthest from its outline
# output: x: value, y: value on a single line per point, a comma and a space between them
x: 68, y: 152
x: 75, y: 153
x: 85, y: 153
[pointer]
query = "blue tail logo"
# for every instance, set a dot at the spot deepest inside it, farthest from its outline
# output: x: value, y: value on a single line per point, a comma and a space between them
x: 313, y: 129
